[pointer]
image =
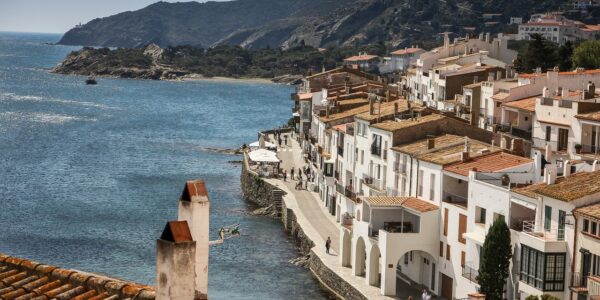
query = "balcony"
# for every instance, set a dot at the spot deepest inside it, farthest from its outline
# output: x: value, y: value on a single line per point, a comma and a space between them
x: 367, y: 179
x: 455, y: 199
x: 579, y: 281
x: 348, y: 192
x: 376, y: 150
x: 543, y: 240
x: 470, y: 273
x: 400, y: 169
x: 556, y: 234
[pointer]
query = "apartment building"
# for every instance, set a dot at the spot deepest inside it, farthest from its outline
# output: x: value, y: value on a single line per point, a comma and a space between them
x: 558, y: 29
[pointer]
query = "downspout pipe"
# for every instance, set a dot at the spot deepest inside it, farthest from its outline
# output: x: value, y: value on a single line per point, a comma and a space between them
x: 574, y: 252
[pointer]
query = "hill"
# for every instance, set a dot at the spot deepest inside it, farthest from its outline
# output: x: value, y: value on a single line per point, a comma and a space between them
x: 289, y: 23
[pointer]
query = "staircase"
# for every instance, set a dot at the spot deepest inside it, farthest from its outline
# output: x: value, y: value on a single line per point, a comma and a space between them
x: 277, y: 198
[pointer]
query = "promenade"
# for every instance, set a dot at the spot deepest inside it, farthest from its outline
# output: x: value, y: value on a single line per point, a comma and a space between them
x: 318, y: 224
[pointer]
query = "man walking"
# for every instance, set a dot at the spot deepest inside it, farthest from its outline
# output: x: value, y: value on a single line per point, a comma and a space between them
x: 292, y: 174
x: 284, y: 175
x: 327, y: 245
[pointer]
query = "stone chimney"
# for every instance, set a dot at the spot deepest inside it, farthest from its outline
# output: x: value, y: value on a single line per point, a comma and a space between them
x: 430, y: 143
x: 175, y: 262
x: 194, y: 207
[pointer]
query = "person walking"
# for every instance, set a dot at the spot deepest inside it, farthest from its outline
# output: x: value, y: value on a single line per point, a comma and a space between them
x: 327, y: 245
x: 292, y: 174
x: 284, y: 175
x: 285, y: 139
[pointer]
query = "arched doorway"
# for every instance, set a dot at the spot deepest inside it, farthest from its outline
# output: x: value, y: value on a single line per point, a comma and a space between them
x: 360, y: 257
x: 346, y: 249
x: 415, y: 268
x: 375, y: 266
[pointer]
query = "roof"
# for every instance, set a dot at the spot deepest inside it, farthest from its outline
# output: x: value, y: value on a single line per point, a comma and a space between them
x: 527, y: 104
x: 591, y: 116
x: 305, y: 96
x: 573, y: 187
x: 447, y: 149
x: 341, y: 127
x: 177, y: 232
x: 594, y: 71
x: 386, y: 109
x: 472, y: 85
x: 25, y: 279
x: 590, y: 211
x: 501, y: 96
x: 345, y: 114
x: 406, y: 51
x: 494, y: 162
x: 407, y: 202
x: 194, y: 191
x: 361, y: 57
x: 398, y: 125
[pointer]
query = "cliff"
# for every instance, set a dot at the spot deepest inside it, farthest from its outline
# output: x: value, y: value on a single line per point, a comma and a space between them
x: 288, y: 23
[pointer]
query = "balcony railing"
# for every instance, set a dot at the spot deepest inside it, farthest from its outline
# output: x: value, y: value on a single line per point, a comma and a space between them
x: 553, y: 234
x: 392, y: 193
x: 470, y: 273
x: 579, y: 280
x: 521, y: 133
x: 346, y: 191
x: 454, y: 199
x: 367, y: 179
x: 590, y: 149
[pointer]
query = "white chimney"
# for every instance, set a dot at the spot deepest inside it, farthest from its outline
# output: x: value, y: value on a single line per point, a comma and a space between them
x: 545, y: 92
x: 550, y: 174
x: 548, y: 152
x: 564, y: 92
x: 595, y: 166
x: 175, y: 263
x: 567, y: 168
x: 194, y: 208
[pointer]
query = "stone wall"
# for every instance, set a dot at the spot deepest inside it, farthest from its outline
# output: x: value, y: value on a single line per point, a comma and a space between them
x: 255, y: 189
x: 332, y: 281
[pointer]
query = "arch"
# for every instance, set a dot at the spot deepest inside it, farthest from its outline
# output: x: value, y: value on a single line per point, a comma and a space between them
x: 346, y: 249
x: 360, y: 257
x: 414, y: 266
x: 374, y: 266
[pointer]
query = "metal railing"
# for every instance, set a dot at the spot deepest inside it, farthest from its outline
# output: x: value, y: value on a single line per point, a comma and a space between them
x: 579, y: 280
x: 470, y: 273
x: 524, y: 134
x: 553, y: 234
x: 367, y: 179
x: 452, y: 198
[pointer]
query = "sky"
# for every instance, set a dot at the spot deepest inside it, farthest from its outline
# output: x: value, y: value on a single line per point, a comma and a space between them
x: 58, y: 16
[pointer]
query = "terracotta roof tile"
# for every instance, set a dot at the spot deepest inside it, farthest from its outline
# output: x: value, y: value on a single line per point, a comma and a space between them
x: 398, y: 125
x: 407, y: 202
x: 406, y: 51
x: 25, y: 279
x: 592, y: 116
x: 361, y: 57
x: 590, y: 211
x: 488, y: 163
x: 345, y: 114
x: 527, y: 104
x: 386, y: 110
x: 567, y: 189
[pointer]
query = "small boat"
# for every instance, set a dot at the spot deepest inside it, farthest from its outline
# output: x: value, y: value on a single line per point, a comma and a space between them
x: 91, y: 80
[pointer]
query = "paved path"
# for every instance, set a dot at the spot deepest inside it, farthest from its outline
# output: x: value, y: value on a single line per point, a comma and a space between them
x: 316, y: 222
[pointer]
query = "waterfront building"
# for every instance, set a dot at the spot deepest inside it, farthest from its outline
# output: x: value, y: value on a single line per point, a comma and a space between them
x: 363, y: 61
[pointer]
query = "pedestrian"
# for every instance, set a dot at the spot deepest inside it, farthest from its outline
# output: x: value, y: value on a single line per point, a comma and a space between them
x: 284, y: 175
x: 292, y: 174
x: 327, y: 245
x: 285, y: 139
x: 425, y: 295
x: 279, y: 140
x: 300, y: 173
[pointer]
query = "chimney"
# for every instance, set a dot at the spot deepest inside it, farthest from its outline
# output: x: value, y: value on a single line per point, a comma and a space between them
x: 175, y: 262
x: 487, y: 37
x: 590, y: 90
x: 430, y: 143
x: 387, y: 96
x: 595, y: 166
x: 481, y: 36
x: 194, y: 207
x: 545, y: 92
x: 567, y: 168
x: 464, y: 156
x: 446, y: 40
x: 564, y: 92
x: 550, y: 175
x: 467, y: 145
x: 371, y: 105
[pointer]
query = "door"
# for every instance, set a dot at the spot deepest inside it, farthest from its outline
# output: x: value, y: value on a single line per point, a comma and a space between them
x: 446, y: 286
x: 563, y: 139
x: 561, y: 225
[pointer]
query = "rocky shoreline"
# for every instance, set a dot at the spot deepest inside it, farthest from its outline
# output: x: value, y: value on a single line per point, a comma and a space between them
x: 99, y: 62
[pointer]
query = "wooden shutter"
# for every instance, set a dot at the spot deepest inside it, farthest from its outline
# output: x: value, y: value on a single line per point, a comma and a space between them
x: 445, y: 222
x: 441, y: 249
x: 448, y: 252
x: 462, y: 227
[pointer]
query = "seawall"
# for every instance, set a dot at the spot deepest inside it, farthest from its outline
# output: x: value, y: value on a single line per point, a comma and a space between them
x: 264, y: 194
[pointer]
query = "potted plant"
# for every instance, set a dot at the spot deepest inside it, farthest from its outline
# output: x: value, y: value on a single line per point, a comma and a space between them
x: 578, y: 148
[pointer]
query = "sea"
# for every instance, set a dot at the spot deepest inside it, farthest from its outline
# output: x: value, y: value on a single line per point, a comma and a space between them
x: 89, y: 175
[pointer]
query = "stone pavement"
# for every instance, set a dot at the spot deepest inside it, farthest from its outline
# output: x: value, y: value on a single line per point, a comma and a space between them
x: 316, y: 222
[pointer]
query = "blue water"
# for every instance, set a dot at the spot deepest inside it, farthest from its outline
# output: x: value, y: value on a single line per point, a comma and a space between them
x: 89, y: 175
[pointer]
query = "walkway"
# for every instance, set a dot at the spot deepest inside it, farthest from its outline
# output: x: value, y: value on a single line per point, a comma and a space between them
x: 316, y: 222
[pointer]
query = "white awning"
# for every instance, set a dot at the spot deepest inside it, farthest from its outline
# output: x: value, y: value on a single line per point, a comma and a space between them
x: 524, y: 203
x: 262, y: 155
x: 257, y: 145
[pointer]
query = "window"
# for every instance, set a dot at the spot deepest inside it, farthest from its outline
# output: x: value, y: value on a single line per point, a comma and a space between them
x: 448, y: 252
x: 431, y: 186
x: 479, y: 215
x: 544, y: 271
x: 384, y: 150
x: 548, y: 133
x: 563, y: 139
x: 445, y: 222
x: 594, y: 228
x: 376, y: 145
x: 462, y: 228
x: 362, y: 157
x: 586, y: 225
x: 420, y: 188
x: 441, y: 249
x: 547, y: 217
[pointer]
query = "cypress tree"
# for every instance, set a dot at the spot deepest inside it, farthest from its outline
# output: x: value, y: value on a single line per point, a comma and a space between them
x: 495, y: 261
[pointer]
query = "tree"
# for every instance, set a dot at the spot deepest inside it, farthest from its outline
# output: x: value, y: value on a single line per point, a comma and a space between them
x: 539, y: 53
x: 587, y: 55
x: 565, y: 56
x: 495, y: 261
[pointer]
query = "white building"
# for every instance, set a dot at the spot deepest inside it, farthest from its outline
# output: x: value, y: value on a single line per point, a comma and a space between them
x: 556, y: 28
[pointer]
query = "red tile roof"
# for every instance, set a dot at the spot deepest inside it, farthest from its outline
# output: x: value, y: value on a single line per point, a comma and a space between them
x: 488, y: 163
x: 25, y: 279
x: 413, y: 203
x: 361, y: 57
x: 406, y: 51
x: 591, y: 116
x: 527, y: 104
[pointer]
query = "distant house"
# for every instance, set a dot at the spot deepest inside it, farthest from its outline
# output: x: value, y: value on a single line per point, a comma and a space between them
x: 400, y: 60
x: 558, y: 29
x: 364, y: 61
